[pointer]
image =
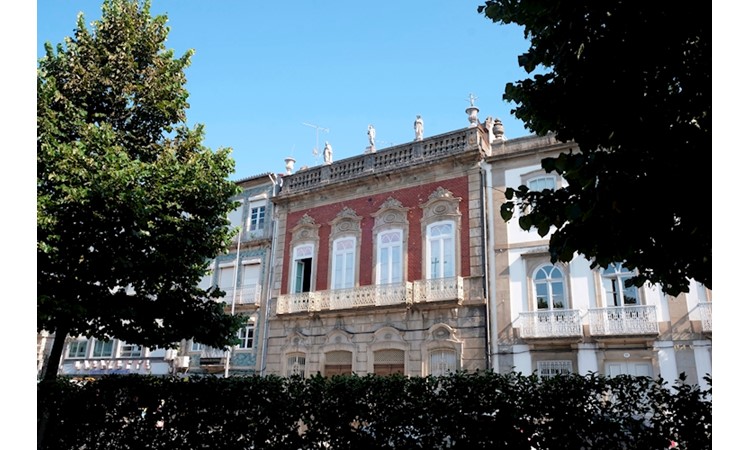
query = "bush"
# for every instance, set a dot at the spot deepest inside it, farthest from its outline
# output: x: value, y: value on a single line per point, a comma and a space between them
x: 472, y: 411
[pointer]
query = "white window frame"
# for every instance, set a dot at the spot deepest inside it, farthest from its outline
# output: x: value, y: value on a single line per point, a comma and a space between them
x: 547, y: 182
x: 443, y: 367
x: 344, y: 263
x: 441, y: 240
x: 299, y: 253
x: 100, y: 345
x: 77, y: 345
x: 256, y: 216
x: 385, y: 272
x: 613, y: 283
x: 548, y: 285
x: 246, y: 336
x: 196, y: 346
x: 130, y: 350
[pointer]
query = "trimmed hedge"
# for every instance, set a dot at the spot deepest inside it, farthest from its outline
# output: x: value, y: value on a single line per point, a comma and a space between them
x: 461, y: 411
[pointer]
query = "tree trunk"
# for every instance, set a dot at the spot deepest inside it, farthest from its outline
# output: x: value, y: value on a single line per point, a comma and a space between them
x: 51, y: 364
x: 49, y: 374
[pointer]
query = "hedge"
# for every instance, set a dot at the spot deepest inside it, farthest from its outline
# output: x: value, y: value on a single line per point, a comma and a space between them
x: 460, y: 411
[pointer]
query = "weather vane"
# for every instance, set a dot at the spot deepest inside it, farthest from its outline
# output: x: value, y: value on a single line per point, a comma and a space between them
x: 316, y: 150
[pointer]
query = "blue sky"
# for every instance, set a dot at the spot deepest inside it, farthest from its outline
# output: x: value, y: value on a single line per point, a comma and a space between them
x: 263, y: 69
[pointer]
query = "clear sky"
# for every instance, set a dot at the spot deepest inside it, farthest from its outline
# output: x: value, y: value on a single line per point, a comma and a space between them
x: 263, y: 69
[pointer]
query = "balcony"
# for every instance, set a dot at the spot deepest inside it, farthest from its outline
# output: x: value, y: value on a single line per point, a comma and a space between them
x: 374, y: 295
x: 705, y: 311
x: 246, y: 295
x: 623, y: 320
x: 249, y: 295
x: 439, y: 289
x: 210, y: 356
x: 551, y: 324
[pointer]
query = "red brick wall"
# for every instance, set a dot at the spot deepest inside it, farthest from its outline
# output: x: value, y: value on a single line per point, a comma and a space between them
x: 365, y: 206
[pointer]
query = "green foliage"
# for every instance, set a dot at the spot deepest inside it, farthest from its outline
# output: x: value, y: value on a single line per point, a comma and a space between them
x: 630, y: 84
x: 127, y: 196
x: 464, y: 411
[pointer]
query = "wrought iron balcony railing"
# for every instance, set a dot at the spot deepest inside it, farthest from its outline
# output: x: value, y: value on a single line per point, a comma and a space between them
x: 623, y: 320
x: 551, y: 324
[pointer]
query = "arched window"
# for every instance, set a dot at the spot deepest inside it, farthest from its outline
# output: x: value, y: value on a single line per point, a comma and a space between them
x: 390, y: 267
x: 541, y: 183
x: 441, y: 250
x: 549, y: 288
x: 617, y: 294
x: 343, y: 263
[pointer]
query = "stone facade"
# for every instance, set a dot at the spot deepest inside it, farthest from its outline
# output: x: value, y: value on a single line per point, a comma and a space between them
x: 360, y: 308
x: 595, y: 323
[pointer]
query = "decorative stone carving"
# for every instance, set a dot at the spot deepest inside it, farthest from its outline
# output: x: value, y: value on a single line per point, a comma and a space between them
x: 418, y: 128
x: 498, y: 130
x: 440, y: 192
x: 441, y: 205
x: 306, y: 220
x: 346, y: 223
x: 391, y: 213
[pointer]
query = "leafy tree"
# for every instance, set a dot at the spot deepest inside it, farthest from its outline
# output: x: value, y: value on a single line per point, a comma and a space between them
x: 630, y: 83
x: 130, y: 204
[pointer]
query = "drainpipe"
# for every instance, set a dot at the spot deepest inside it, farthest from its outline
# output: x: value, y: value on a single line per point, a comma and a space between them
x: 489, y: 222
x: 274, y: 230
x: 234, y: 294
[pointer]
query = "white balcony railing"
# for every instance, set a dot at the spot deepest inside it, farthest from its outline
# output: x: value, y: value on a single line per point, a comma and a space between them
x: 705, y: 310
x: 363, y: 296
x: 246, y: 295
x: 249, y: 295
x: 548, y: 324
x: 438, y: 289
x: 623, y: 320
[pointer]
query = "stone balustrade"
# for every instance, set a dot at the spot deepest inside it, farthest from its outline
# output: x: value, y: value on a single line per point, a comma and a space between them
x: 551, y: 324
x: 372, y: 296
x: 382, y: 161
x: 623, y: 320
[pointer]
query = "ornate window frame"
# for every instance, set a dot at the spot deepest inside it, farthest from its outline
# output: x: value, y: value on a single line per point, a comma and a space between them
x: 305, y: 233
x: 441, y: 207
x: 346, y: 224
x: 440, y: 337
x: 392, y: 216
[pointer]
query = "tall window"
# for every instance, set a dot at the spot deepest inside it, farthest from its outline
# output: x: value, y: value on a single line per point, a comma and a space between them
x: 389, y: 267
x: 226, y: 282
x: 302, y: 267
x: 250, y: 276
x: 78, y: 348
x: 614, y: 278
x: 295, y: 364
x: 443, y: 362
x: 257, y: 218
x: 102, y: 349
x: 245, y: 335
x: 235, y: 217
x: 441, y: 250
x: 549, y: 289
x: 343, y: 263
